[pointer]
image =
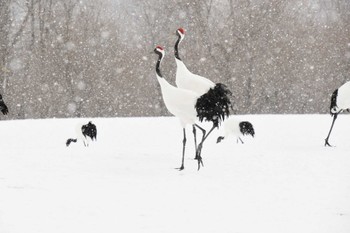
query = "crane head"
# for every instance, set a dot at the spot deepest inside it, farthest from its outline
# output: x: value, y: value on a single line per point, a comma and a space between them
x: 180, y: 32
x: 159, y: 49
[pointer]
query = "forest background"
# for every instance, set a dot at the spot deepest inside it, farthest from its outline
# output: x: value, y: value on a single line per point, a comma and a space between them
x: 92, y: 58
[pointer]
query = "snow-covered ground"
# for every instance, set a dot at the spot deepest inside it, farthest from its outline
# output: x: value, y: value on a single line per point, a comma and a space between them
x: 282, y: 181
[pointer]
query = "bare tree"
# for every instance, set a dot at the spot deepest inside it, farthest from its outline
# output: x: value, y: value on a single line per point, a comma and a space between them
x: 71, y: 58
x: 5, y: 22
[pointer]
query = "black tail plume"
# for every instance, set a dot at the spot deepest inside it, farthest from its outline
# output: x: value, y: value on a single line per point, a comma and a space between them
x: 246, y: 128
x: 3, y: 107
x: 89, y: 130
x: 214, y: 105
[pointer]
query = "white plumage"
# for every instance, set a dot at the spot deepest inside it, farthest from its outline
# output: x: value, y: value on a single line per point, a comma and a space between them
x: 236, y: 128
x: 340, y: 101
x: 186, y: 79
x: 179, y: 102
x: 213, y: 102
x: 231, y: 127
x: 78, y: 131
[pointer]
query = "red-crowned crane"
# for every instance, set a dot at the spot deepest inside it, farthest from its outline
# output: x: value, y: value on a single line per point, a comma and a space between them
x: 179, y: 102
x: 237, y: 129
x: 340, y: 101
x: 213, y: 99
x: 84, y: 132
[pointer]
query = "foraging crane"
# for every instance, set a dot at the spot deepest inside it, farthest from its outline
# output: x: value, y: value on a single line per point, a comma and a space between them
x: 340, y: 101
x: 236, y: 128
x: 84, y: 132
x: 180, y: 102
x: 3, y: 107
x: 213, y: 99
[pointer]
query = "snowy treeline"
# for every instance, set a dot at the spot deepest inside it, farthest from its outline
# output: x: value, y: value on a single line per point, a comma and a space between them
x: 91, y: 58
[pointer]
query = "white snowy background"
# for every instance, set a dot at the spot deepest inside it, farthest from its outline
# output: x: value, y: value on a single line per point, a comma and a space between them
x: 90, y: 59
x: 283, y: 180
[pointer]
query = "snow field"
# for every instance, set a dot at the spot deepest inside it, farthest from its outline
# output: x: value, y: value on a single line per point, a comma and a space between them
x: 283, y: 180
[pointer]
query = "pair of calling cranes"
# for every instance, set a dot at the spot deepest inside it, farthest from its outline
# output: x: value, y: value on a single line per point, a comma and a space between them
x: 198, y: 98
x: 194, y: 99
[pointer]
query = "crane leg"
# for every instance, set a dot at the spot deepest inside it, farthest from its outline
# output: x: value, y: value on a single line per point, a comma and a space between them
x: 195, y: 140
x: 197, y: 146
x: 183, y: 151
x: 330, y: 130
x: 200, y: 146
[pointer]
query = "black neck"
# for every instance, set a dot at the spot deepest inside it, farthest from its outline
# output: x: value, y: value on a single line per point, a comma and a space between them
x: 177, y: 48
x: 160, y: 58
